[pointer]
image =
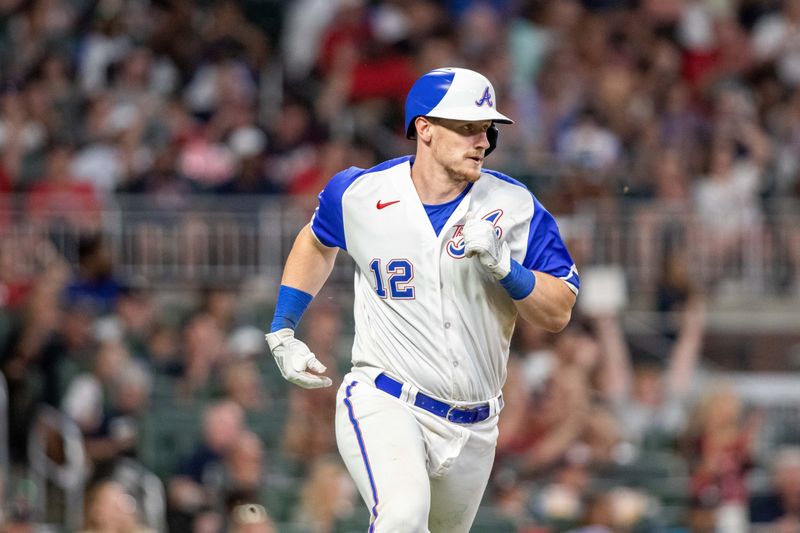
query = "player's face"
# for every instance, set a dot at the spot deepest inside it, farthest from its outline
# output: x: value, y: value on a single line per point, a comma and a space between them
x: 459, y: 147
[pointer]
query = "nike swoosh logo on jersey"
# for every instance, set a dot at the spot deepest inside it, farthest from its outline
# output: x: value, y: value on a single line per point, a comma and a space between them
x: 379, y: 205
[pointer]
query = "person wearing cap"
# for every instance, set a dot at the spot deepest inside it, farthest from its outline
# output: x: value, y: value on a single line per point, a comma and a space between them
x: 448, y: 254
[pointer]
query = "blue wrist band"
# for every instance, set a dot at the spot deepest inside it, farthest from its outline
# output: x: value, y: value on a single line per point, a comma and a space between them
x: 520, y: 282
x: 289, y: 308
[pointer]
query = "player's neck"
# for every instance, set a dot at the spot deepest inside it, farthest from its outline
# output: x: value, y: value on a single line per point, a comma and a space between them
x: 433, y: 183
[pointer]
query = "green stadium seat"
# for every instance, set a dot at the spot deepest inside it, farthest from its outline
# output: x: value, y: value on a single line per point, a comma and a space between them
x: 168, y: 435
x: 488, y: 521
x: 268, y: 424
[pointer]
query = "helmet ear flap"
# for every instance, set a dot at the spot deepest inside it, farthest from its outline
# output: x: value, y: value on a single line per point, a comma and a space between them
x: 491, y: 134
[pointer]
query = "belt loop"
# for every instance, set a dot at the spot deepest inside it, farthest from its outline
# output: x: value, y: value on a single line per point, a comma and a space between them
x: 409, y: 393
x: 495, y: 405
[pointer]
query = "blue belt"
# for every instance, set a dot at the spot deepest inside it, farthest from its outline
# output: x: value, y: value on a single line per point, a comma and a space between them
x: 468, y: 415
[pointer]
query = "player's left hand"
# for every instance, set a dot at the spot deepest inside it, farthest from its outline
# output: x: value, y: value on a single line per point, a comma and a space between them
x: 295, y: 360
x: 480, y: 239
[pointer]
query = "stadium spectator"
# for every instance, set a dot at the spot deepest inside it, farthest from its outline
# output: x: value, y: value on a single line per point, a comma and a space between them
x: 220, y: 304
x: 553, y: 419
x: 60, y: 198
x: 106, y: 156
x: 94, y: 284
x: 110, y: 109
x: 15, y: 282
x: 510, y: 497
x: 203, y: 353
x: 252, y: 175
x: 668, y: 185
x: 309, y: 433
x: 719, y: 444
x: 67, y: 349
x: 780, y: 505
x: 161, y: 181
x: 109, y: 509
x: 85, y: 397
x: 589, y: 145
x: 327, y: 496
x: 333, y: 155
x: 228, y: 25
x: 250, y: 518
x: 21, y: 358
x: 188, y: 492
x: 162, y: 353
x: 134, y: 318
x: 727, y: 195
x: 117, y: 434
x: 776, y: 41
x: 309, y: 430
x: 241, y: 382
x: 291, y: 140
x: 245, y: 469
x: 20, y: 137
x: 651, y: 401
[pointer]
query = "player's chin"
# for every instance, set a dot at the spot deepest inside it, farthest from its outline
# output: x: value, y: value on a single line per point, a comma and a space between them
x: 472, y: 170
x: 472, y: 174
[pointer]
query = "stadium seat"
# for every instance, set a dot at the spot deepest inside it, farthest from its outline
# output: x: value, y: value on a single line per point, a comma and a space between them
x: 169, y: 435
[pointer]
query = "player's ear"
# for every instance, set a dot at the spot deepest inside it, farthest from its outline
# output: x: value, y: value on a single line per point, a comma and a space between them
x: 424, y: 127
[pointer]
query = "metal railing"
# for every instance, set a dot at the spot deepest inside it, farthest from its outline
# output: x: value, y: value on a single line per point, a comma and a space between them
x: 69, y: 475
x: 646, y: 239
x: 146, y: 488
x: 206, y: 240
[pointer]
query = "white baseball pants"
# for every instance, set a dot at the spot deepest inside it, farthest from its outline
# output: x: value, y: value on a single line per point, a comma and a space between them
x: 417, y: 472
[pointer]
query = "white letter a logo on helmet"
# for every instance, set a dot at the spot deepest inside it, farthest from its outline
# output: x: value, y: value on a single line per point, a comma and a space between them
x: 486, y: 98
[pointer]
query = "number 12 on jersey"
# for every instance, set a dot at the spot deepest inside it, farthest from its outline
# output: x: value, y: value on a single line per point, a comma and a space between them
x: 399, y: 272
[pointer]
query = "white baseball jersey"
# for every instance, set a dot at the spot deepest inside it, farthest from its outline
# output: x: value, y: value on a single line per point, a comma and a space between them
x: 424, y: 312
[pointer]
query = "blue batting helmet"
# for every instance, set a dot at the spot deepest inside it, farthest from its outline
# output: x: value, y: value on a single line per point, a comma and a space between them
x: 454, y: 93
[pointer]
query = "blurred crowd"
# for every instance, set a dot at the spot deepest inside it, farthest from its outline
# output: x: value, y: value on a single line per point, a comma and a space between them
x: 686, y: 100
x: 598, y: 434
x: 687, y: 106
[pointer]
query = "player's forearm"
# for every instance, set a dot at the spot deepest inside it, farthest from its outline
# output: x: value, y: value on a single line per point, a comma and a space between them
x: 308, y: 266
x: 549, y: 305
x: 309, y: 263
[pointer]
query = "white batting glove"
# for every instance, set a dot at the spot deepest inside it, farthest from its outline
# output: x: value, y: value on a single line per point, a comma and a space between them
x: 295, y: 359
x: 481, y: 240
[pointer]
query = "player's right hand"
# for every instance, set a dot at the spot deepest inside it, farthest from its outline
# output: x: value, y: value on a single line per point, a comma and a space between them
x: 481, y: 241
x: 295, y: 360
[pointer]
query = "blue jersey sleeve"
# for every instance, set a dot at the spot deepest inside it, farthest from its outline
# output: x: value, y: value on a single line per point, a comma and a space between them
x: 546, y: 250
x: 327, y: 222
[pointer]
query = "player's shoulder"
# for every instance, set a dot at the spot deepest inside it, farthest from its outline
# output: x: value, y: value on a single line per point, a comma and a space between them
x: 496, y: 183
x: 512, y: 193
x: 349, y: 175
x: 515, y: 186
x: 503, y: 179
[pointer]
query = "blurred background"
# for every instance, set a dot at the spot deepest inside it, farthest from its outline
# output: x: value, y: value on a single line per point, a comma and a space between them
x: 158, y: 156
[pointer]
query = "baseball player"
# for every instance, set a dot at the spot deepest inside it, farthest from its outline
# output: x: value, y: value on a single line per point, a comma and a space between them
x: 448, y: 254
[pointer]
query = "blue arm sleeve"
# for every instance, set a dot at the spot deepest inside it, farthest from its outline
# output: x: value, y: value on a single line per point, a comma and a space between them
x: 289, y: 308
